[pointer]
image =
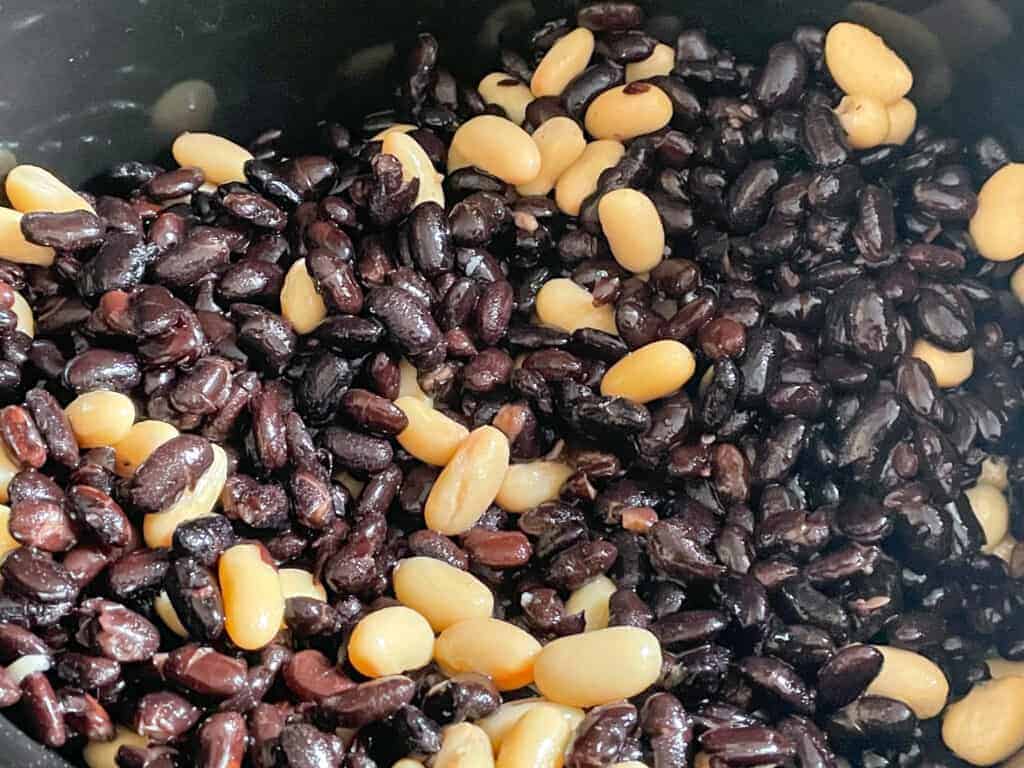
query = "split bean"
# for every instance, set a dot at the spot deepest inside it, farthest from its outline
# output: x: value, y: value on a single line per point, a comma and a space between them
x: 650, y: 373
x: 101, y: 418
x: 443, y: 594
x: 220, y: 160
x: 495, y: 145
x: 415, y: 165
x: 499, y: 723
x: 102, y: 754
x: 468, y: 483
x: 31, y: 188
x: 997, y: 227
x: 301, y: 303
x: 464, y: 745
x: 564, y: 60
x: 253, y: 602
x: 633, y: 228
x: 865, y: 120
x: 538, y: 740
x: 951, y: 369
x: 13, y: 245
x: 561, y: 143
x: 507, y: 92
x: 861, y: 63
x: 579, y: 180
x: 660, y: 62
x: 158, y: 527
x: 391, y: 641
x: 492, y: 647
x: 592, y: 600
x: 142, y: 439
x: 628, y: 111
x: 902, y: 121
x: 993, y: 512
x: 563, y: 304
x: 528, y: 485
x: 911, y: 678
x: 987, y: 725
x: 430, y: 436
x: 575, y: 670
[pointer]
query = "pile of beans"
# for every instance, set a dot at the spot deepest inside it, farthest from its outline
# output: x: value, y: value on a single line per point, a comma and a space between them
x: 637, y: 407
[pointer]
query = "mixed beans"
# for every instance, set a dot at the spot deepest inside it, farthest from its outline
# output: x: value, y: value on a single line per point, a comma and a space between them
x: 637, y: 407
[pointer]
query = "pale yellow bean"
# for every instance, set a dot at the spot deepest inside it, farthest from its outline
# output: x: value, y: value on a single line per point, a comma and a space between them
x: 902, y: 121
x: 993, y: 472
x: 650, y: 373
x: 992, y: 511
x: 409, y: 383
x: 391, y: 641
x: 297, y: 582
x: 13, y: 245
x: 9, y: 467
x: 997, y: 227
x: 598, y: 667
x: 100, y: 418
x: 430, y: 436
x: 301, y: 304
x: 498, y: 146
x: 253, y: 603
x: 564, y: 60
x: 998, y: 668
x: 865, y: 120
x: 563, y: 304
x: 579, y: 180
x: 7, y: 542
x: 468, y: 483
x: 165, y: 610
x: 630, y: 222
x: 220, y: 159
x: 592, y: 599
x: 628, y: 111
x: 31, y: 188
x: 464, y: 745
x: 560, y: 141
x: 415, y: 165
x: 492, y: 647
x: 538, y: 740
x: 185, y: 106
x: 660, y: 62
x: 508, y: 92
x: 951, y: 369
x: 498, y: 724
x: 911, y: 678
x: 441, y: 593
x: 142, y: 439
x: 861, y: 63
x: 26, y: 321
x: 158, y: 528
x: 987, y: 725
x: 393, y: 128
x: 407, y: 762
x: 102, y: 754
x: 527, y: 485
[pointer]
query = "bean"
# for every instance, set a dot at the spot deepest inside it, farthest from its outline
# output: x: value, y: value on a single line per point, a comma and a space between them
x: 990, y: 507
x: 951, y: 369
x: 44, y: 710
x: 430, y: 436
x: 994, y: 472
x: 660, y: 62
x: 573, y: 670
x: 650, y: 373
x: 222, y: 741
x: 996, y: 227
x: 579, y: 180
x: 164, y: 716
x: 464, y: 746
x: 14, y: 245
x: 861, y: 63
x: 253, y: 603
x: 911, y: 678
x: 26, y: 320
x: 100, y: 418
x: 537, y: 739
x: 627, y: 111
x: 21, y: 437
x: 101, y: 754
x: 848, y: 674
x: 295, y: 582
x: 561, y: 143
x: 603, y: 734
x: 205, y: 671
x: 301, y: 304
x: 469, y: 482
x: 500, y: 723
x: 139, y: 443
x: 220, y: 160
x: 497, y: 146
x: 495, y: 648
x: 507, y: 92
x: 902, y: 121
x: 415, y: 165
x: 630, y: 222
x: 566, y: 59
x: 528, y: 485
x: 31, y: 188
x: 865, y: 120
x: 563, y: 304
x: 987, y: 725
x: 158, y: 528
x: 441, y: 593
x: 592, y: 599
x: 312, y: 677
x: 783, y: 77
x: 163, y: 608
x: 390, y: 641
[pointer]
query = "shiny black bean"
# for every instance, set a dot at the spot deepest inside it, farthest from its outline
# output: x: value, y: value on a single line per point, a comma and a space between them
x: 781, y: 80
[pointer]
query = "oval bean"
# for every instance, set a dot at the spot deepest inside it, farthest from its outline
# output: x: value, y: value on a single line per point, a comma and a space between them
x: 865, y: 120
x: 993, y: 512
x: 563, y: 304
x: 301, y: 303
x: 661, y: 62
x: 415, y: 165
x: 507, y: 92
x: 628, y: 111
x: 911, y: 678
x: 860, y: 62
x: 499, y: 723
x: 31, y: 188
x: 536, y: 741
x: 650, y: 373
x: 13, y: 245
x: 253, y: 603
x: 468, y: 483
x: 158, y: 527
x: 495, y: 145
x: 997, y: 227
x: 441, y: 593
x: 579, y: 180
x: 951, y: 369
x: 100, y: 418
x: 528, y: 485
x: 987, y: 725
x: 142, y: 439
x: 221, y: 160
x: 902, y: 121
x: 491, y: 647
x: 430, y: 436
x: 464, y: 745
x: 564, y: 60
x: 592, y: 600
x: 560, y: 142
x: 102, y: 754
x: 632, y: 225
x: 391, y: 641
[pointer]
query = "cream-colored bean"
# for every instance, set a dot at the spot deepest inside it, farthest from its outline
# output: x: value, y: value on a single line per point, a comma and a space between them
x: 13, y: 245
x: 660, y: 62
x: 492, y: 647
x: 902, y: 121
x: 430, y: 436
x: 538, y: 740
x: 26, y: 320
x: 498, y: 724
x: 468, y: 483
x: 650, y: 373
x: 564, y: 60
x: 9, y: 467
x: 527, y: 485
x: 100, y: 418
x: 579, y: 180
x: 187, y: 105
x: 861, y: 63
x: 142, y: 439
x: 158, y: 528
x: 628, y: 111
x: 911, y: 678
x: 298, y: 582
x: 508, y: 92
x: 592, y: 599
x: 993, y: 472
x: 598, y: 667
x: 301, y: 303
x: 464, y: 745
x: 103, y: 754
x: 163, y: 608
x: 630, y: 222
x: 393, y: 128
x: 498, y: 146
x: 409, y: 383
x: 987, y: 725
x: 560, y: 141
x: 951, y: 369
x: 31, y: 188
x: 220, y: 159
x: 7, y: 542
x: 865, y: 120
x: 415, y: 165
x: 997, y: 227
x: 407, y: 762
x: 442, y: 593
x: 391, y: 641
x: 563, y: 304
x: 999, y: 668
x: 992, y: 511
x: 253, y: 603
